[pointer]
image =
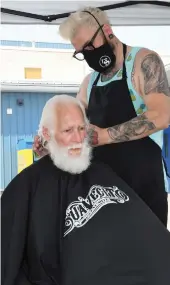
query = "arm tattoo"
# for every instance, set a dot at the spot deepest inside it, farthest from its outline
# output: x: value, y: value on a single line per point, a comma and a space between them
x: 155, y: 78
x: 131, y: 130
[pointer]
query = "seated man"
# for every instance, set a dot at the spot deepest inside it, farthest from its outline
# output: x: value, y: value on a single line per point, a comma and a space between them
x: 67, y: 220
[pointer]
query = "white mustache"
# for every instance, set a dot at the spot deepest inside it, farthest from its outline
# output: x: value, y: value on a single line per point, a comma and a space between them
x: 75, y: 146
x: 69, y: 163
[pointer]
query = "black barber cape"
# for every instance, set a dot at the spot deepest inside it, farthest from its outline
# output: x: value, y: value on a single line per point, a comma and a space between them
x: 87, y: 229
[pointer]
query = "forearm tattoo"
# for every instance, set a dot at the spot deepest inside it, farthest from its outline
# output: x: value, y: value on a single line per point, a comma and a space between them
x: 155, y: 78
x: 131, y: 130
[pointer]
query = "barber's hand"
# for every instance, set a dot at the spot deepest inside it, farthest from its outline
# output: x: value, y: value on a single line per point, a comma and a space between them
x: 97, y: 136
x: 38, y: 148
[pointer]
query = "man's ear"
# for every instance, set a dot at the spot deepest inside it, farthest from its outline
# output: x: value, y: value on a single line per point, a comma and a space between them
x: 45, y: 133
x: 107, y: 29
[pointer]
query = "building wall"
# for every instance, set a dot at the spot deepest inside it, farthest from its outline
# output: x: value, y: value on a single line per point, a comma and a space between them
x: 56, y: 65
x: 21, y: 124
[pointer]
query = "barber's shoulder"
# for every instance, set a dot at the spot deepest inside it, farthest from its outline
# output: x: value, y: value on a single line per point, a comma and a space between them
x: 143, y: 55
x: 82, y: 93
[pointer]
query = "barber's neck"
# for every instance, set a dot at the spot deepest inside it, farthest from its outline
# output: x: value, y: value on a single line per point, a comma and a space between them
x: 118, y: 51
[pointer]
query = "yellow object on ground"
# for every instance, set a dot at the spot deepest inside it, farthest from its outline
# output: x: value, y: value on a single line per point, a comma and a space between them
x: 25, y: 158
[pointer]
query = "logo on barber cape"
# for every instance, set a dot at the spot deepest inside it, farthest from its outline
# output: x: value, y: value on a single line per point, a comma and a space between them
x: 104, y: 61
x: 81, y: 211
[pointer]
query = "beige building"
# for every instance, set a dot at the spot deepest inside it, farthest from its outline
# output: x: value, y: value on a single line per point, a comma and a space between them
x: 52, y: 65
x: 48, y: 66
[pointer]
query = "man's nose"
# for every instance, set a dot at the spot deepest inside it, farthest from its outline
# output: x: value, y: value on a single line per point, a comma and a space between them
x: 78, y: 138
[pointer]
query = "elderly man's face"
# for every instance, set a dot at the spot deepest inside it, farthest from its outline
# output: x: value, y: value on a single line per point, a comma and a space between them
x: 68, y: 147
x: 70, y: 128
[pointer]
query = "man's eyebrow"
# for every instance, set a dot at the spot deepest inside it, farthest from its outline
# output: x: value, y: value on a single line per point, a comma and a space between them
x: 67, y: 127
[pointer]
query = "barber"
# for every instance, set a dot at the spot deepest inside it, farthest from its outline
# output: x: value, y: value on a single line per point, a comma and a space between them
x: 128, y: 103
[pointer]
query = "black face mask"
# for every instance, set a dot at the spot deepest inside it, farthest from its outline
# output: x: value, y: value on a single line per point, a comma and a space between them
x: 100, y: 59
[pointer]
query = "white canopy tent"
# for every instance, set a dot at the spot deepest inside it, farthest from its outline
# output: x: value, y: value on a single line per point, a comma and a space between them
x: 121, y: 13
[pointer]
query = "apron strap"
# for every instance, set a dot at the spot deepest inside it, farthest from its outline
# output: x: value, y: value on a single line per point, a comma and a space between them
x: 124, y: 66
x: 96, y: 80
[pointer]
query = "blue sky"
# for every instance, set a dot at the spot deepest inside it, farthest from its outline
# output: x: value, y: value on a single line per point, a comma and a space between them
x: 153, y: 37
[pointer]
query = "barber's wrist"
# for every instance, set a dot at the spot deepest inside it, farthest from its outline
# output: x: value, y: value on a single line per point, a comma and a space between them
x: 105, y: 137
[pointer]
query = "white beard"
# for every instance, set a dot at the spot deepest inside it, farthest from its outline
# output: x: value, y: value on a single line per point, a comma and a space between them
x: 70, y: 163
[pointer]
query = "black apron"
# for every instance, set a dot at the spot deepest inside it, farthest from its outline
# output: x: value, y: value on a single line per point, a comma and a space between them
x: 138, y: 162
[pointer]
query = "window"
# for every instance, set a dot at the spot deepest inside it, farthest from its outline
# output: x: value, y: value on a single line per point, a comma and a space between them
x: 32, y: 73
x: 53, y: 45
x: 15, y: 43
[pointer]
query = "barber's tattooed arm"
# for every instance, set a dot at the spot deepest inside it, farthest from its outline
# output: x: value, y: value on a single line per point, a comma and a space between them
x: 154, y: 75
x: 152, y: 85
x: 131, y: 130
x: 156, y: 94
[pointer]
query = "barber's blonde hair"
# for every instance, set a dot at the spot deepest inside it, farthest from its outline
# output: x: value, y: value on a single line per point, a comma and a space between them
x: 81, y: 18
